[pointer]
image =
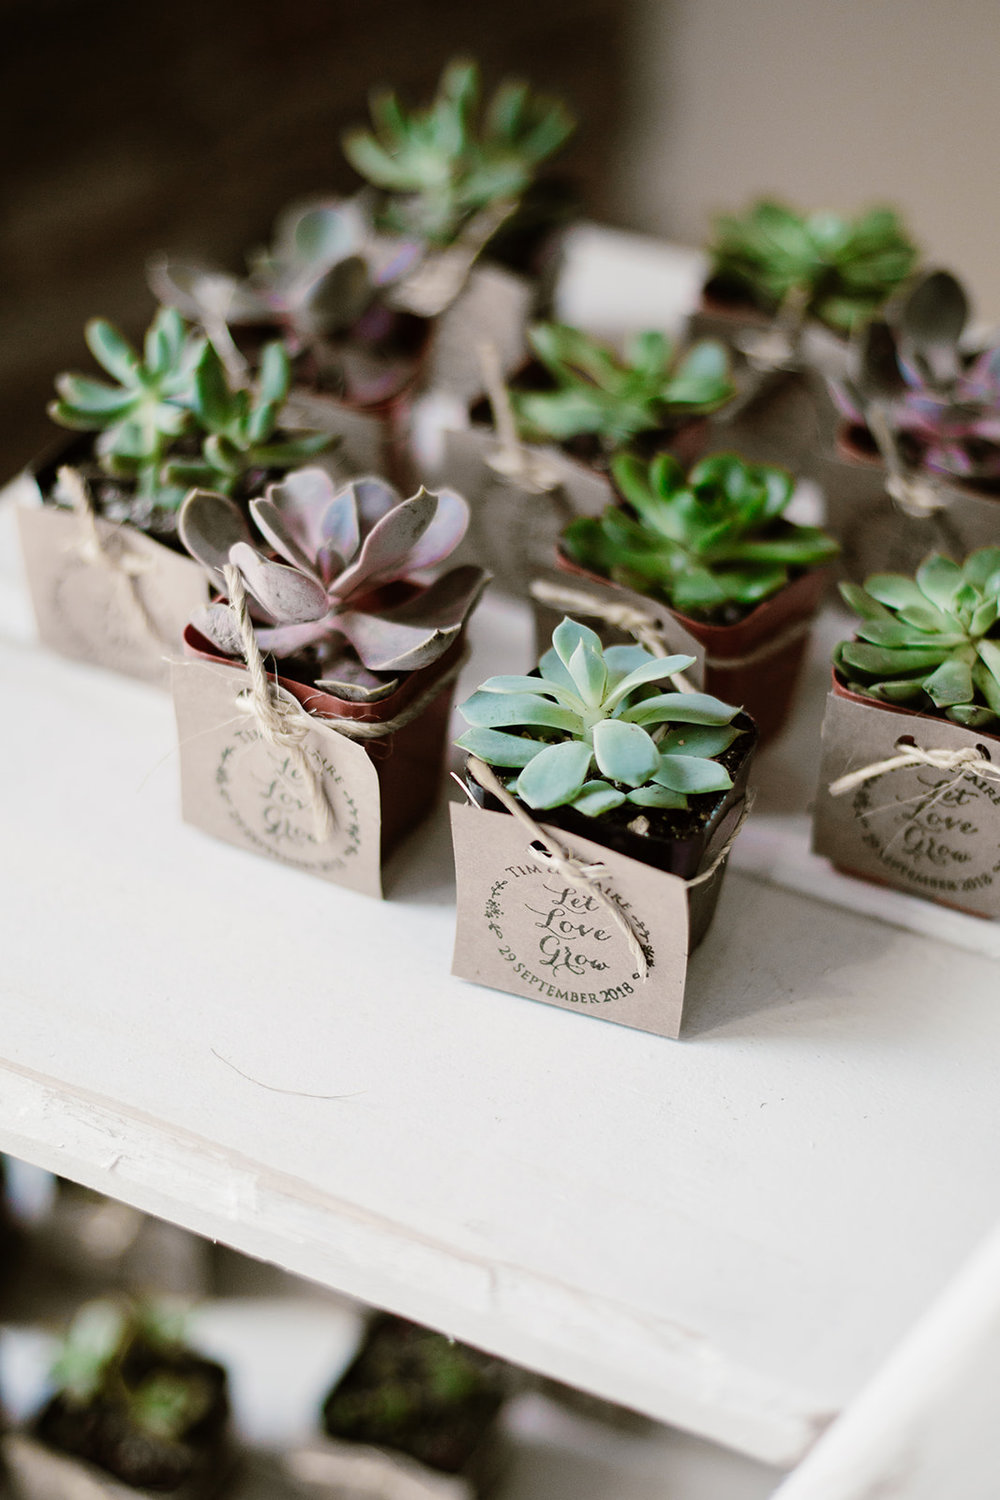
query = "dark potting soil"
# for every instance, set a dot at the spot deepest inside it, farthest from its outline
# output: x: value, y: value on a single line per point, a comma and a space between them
x: 671, y: 840
x: 103, y: 1432
x: 415, y: 1392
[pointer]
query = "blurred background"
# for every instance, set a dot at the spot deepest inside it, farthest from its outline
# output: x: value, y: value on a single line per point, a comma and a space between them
x: 133, y: 128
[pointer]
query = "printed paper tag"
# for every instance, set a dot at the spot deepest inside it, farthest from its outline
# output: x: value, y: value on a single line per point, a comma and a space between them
x: 523, y: 930
x: 513, y: 531
x: 494, y: 307
x: 127, y: 622
x: 238, y: 787
x: 930, y: 832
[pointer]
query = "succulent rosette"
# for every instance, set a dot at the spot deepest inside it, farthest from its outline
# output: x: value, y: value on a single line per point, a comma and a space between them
x: 340, y: 588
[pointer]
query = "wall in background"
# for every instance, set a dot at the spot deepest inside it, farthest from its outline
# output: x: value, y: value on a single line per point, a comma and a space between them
x: 830, y: 103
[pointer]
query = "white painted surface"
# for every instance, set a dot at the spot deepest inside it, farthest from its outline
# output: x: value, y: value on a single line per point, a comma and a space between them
x: 730, y: 1233
x: 926, y: 1427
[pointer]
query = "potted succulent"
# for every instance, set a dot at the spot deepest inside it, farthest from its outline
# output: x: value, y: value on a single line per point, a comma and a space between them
x: 131, y: 1400
x: 652, y: 782
x: 324, y: 286
x: 458, y: 179
x: 710, y: 555
x: 917, y: 463
x: 910, y: 777
x: 108, y: 580
x: 348, y: 730
x: 420, y: 1404
x: 785, y: 289
x: 557, y: 431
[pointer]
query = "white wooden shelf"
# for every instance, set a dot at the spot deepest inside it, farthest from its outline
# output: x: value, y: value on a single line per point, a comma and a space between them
x: 730, y: 1233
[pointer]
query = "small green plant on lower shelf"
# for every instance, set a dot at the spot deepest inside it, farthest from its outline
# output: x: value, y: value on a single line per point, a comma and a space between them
x: 440, y: 165
x: 111, y: 1355
x: 932, y: 642
x: 823, y: 265
x: 711, y: 543
x: 594, y: 707
x: 615, y: 397
x: 132, y: 1398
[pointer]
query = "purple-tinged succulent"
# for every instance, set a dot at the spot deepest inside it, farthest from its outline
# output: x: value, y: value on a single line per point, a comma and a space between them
x: 347, y: 599
x: 939, y: 401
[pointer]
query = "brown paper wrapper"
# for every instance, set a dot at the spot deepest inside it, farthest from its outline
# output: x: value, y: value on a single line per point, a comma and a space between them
x: 512, y: 530
x: 877, y: 537
x: 86, y: 611
x: 520, y: 929
x: 245, y: 791
x: 364, y: 436
x: 494, y: 307
x: 924, y: 831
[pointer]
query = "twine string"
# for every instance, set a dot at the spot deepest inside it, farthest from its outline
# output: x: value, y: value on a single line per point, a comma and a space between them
x: 965, y: 762
x: 109, y: 551
x: 280, y: 721
x: 513, y: 459
x: 551, y: 855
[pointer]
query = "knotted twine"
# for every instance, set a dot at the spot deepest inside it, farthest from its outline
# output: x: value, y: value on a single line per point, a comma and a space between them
x: 647, y: 631
x: 966, y: 762
x: 284, y: 724
x: 108, y: 550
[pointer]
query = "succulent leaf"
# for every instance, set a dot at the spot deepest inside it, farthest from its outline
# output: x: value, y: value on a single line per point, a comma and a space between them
x: 443, y: 163
x: 712, y: 544
x: 342, y: 550
x: 606, y: 712
x: 615, y: 397
x: 931, y: 642
x: 841, y: 270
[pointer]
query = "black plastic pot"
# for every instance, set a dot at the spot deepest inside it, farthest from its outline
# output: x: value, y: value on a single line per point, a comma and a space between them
x: 680, y: 843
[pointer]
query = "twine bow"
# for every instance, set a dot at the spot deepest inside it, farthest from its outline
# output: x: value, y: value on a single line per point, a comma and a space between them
x: 966, y: 762
x: 108, y: 550
x: 280, y: 721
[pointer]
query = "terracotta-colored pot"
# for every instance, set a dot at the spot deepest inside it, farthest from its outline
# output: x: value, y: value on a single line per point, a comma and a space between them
x: 755, y: 663
x: 409, y: 761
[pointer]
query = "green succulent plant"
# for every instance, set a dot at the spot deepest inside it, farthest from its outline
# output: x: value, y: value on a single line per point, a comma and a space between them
x: 837, y: 270
x: 442, y: 164
x: 140, y: 417
x: 709, y: 544
x: 592, y: 707
x: 613, y: 397
x: 240, y: 427
x: 120, y: 1355
x: 932, y: 642
x: 176, y: 395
